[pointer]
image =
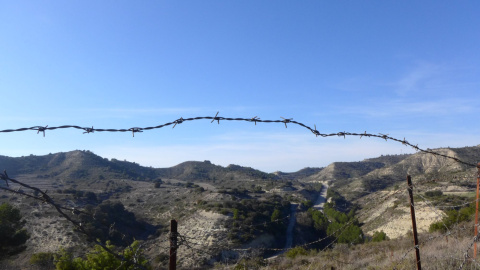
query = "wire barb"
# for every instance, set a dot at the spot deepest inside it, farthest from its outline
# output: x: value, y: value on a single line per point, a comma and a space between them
x: 88, y: 130
x: 178, y: 121
x: 286, y: 121
x: 254, y: 119
x: 216, y: 118
x: 135, y: 130
x: 315, y: 131
x: 41, y: 129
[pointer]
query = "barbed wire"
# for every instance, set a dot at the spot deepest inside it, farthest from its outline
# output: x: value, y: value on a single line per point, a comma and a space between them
x: 285, y: 121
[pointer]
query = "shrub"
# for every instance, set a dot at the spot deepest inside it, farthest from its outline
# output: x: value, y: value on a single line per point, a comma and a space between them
x: 275, y: 215
x: 307, y: 204
x: 100, y: 259
x: 453, y: 217
x: 379, y: 236
x: 43, y: 259
x: 352, y: 234
x: 434, y: 193
x: 294, y: 252
x: 12, y: 234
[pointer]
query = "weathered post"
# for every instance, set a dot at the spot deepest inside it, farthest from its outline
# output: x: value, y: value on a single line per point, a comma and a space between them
x: 173, y: 245
x: 414, y: 223
x: 476, y: 215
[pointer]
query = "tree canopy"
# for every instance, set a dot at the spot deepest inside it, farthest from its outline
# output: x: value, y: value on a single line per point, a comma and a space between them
x: 12, y: 234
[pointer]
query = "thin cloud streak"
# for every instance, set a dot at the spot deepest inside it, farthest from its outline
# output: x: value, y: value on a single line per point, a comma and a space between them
x: 400, y: 107
x: 280, y: 152
x: 423, y: 75
x: 269, y: 153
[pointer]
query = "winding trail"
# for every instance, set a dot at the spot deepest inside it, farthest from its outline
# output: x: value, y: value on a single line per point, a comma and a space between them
x: 291, y: 225
x: 293, y: 209
x: 322, y: 197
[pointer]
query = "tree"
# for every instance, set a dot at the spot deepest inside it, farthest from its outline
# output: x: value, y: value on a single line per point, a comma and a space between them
x: 122, y: 222
x: 12, y: 234
x: 352, y: 234
x: 320, y: 222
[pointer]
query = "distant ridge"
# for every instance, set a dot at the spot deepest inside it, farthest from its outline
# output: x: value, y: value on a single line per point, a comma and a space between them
x: 85, y: 165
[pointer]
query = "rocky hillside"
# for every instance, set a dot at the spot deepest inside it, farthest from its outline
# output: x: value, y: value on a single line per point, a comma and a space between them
x: 356, y: 179
x: 213, y: 204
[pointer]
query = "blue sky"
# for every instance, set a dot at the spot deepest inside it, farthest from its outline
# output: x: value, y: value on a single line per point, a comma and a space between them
x: 406, y: 68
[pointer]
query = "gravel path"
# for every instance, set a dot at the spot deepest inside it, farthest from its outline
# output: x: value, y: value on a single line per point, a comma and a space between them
x: 322, y: 198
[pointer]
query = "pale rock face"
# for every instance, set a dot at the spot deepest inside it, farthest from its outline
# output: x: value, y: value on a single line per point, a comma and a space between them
x: 402, y: 223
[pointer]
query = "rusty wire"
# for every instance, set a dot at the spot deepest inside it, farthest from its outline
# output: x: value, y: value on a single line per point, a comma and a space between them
x: 314, y: 131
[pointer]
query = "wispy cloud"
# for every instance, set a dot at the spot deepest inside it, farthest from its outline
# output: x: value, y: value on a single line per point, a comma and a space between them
x: 426, y: 89
x: 409, y: 108
x: 275, y: 152
x: 144, y: 111
x: 421, y: 77
x: 167, y: 111
x: 268, y: 153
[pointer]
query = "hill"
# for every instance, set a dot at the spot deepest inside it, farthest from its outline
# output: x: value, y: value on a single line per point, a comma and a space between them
x: 233, y: 204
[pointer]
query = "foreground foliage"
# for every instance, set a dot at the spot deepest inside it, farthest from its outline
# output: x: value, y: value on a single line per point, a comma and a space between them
x: 12, y: 234
x: 100, y: 259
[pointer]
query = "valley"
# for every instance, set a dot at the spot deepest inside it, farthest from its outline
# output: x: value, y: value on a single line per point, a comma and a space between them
x: 228, y: 215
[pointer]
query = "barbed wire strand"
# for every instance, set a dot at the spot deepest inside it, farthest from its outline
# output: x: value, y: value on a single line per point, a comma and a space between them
x: 89, y: 130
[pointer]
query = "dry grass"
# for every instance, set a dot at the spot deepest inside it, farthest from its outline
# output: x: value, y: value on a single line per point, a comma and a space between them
x: 437, y: 251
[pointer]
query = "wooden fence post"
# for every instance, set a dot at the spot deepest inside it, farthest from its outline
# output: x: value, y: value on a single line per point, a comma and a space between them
x: 476, y: 215
x: 414, y: 223
x: 173, y: 245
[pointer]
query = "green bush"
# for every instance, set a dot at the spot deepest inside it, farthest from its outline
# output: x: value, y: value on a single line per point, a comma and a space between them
x: 43, y: 259
x: 125, y: 223
x: 434, y: 193
x: 307, y: 204
x: 379, y: 236
x: 320, y: 222
x: 453, y: 217
x: 12, y: 234
x: 296, y: 251
x: 275, y: 215
x: 235, y: 214
x: 335, y: 215
x: 351, y: 234
x: 100, y: 259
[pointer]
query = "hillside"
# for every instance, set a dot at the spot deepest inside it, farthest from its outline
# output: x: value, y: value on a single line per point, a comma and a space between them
x: 356, y: 179
x: 233, y: 204
x: 201, y: 195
